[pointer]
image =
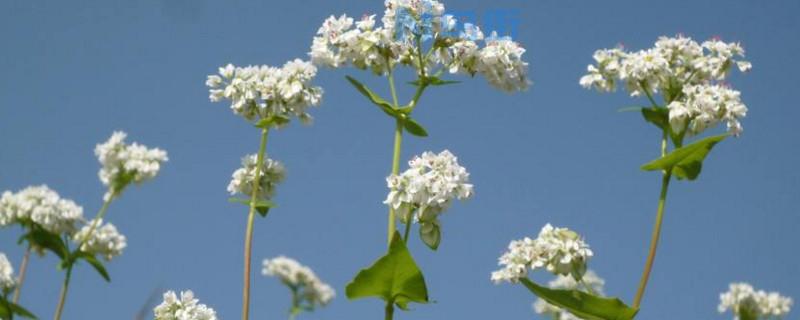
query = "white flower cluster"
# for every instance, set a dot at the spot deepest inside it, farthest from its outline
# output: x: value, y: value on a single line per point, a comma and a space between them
x: 272, y: 173
x: 105, y: 240
x: 742, y: 299
x: 428, y: 187
x: 341, y: 41
x: 299, y: 278
x: 704, y: 107
x: 259, y: 92
x: 41, y: 206
x: 673, y: 67
x: 124, y: 163
x: 185, y: 308
x: 558, y: 250
x: 589, y: 279
x: 7, y: 280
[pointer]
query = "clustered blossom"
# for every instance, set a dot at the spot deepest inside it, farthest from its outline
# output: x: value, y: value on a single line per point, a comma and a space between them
x: 558, y: 250
x: 341, y: 41
x: 677, y: 67
x: 7, y: 280
x: 704, y: 107
x: 742, y: 299
x: 272, y: 173
x: 428, y: 187
x: 260, y: 92
x: 589, y: 279
x: 105, y: 240
x: 41, y: 206
x: 185, y: 308
x: 301, y: 279
x: 124, y: 163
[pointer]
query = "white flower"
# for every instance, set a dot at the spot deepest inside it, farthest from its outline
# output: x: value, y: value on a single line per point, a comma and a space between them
x: 187, y: 308
x: 7, y: 280
x: 105, y: 240
x: 301, y: 279
x: 558, y: 250
x: 428, y: 187
x: 41, y: 206
x: 742, y: 299
x: 704, y: 106
x: 589, y: 279
x: 340, y: 41
x: 259, y: 92
x: 124, y: 163
x: 272, y: 173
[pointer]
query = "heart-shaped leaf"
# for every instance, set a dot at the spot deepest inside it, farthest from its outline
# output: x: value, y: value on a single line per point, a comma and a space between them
x: 414, y: 128
x: 686, y: 162
x: 584, y: 305
x: 395, y: 278
x: 262, y: 206
x: 96, y: 264
x: 274, y: 120
x: 41, y: 238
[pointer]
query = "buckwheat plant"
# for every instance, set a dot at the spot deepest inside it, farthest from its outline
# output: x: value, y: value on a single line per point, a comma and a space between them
x: 121, y: 164
x: 748, y: 304
x: 308, y: 291
x: 267, y: 97
x: 576, y: 293
x: 684, y: 82
x: 185, y: 308
x: 7, y: 283
x: 590, y: 283
x: 416, y: 34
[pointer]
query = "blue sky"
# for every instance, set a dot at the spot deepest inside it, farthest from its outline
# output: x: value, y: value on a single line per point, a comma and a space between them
x: 558, y: 153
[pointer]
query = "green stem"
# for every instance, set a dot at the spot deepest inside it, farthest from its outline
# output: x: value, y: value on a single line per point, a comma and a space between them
x: 649, y: 95
x: 22, y: 270
x: 398, y: 141
x: 248, y: 238
x: 96, y: 220
x: 662, y: 199
x: 389, y: 313
x: 408, y: 229
x: 63, y: 297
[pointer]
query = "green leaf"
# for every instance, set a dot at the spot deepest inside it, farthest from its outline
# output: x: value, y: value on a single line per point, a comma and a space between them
x: 432, y: 81
x: 5, y: 309
x: 384, y: 105
x: 38, y: 237
x: 431, y: 234
x: 262, y: 206
x: 582, y: 304
x: 657, y: 116
x: 96, y: 264
x: 20, y: 311
x: 276, y: 120
x: 631, y: 109
x: 395, y: 278
x: 686, y: 162
x: 414, y: 128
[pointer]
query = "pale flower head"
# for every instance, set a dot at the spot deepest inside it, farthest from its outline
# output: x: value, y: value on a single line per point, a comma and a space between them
x: 123, y: 163
x: 261, y: 92
x: 558, y: 250
x: 41, y: 206
x: 7, y: 280
x: 185, y: 308
x: 272, y: 173
x: 746, y: 302
x: 311, y: 290
x: 105, y: 240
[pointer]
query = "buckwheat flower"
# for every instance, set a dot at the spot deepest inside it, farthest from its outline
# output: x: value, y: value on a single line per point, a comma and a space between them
x: 428, y: 187
x: 603, y: 75
x: 589, y: 279
x: 41, y: 206
x: 105, y: 240
x: 259, y: 92
x: 704, y: 106
x: 644, y: 70
x: 746, y: 302
x: 720, y: 58
x: 7, y: 280
x: 185, y: 308
x: 301, y: 280
x: 558, y: 250
x: 272, y: 173
x: 500, y: 62
x: 124, y: 163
